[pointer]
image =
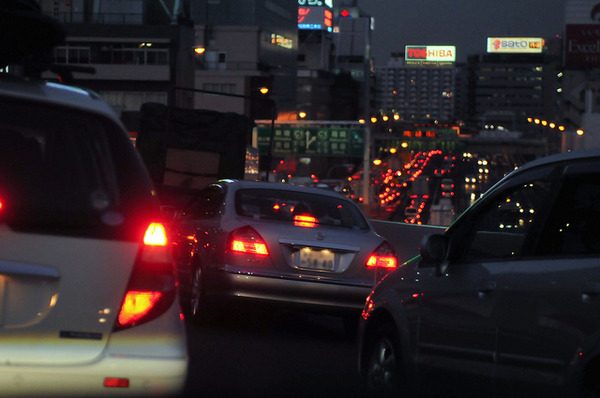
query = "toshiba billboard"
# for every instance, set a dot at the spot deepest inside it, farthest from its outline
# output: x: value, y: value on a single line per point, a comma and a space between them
x: 515, y: 44
x: 430, y: 54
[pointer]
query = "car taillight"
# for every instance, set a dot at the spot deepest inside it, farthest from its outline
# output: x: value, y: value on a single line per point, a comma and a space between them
x: 152, y: 286
x: 247, y: 240
x: 155, y: 235
x: 305, y: 221
x: 383, y: 257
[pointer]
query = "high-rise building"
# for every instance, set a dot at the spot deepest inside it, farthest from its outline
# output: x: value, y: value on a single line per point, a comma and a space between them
x: 507, y: 89
x: 171, y: 52
x: 248, y: 46
x: 416, y: 92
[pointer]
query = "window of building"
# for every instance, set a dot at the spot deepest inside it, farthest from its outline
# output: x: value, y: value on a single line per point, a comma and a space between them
x: 225, y: 88
x: 113, y: 53
x: 132, y: 100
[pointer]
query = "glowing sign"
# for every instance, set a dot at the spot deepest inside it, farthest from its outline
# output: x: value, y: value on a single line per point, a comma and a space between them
x: 434, y: 54
x: 320, y: 3
x: 315, y: 18
x: 281, y: 41
x: 515, y: 44
x: 315, y: 15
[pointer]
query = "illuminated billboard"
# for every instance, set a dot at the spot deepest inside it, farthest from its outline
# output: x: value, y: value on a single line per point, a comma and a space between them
x: 315, y: 15
x: 515, y: 45
x: 319, y: 3
x: 429, y: 55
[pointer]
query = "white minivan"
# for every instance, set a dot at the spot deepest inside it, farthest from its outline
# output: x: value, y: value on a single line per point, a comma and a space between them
x: 88, y: 294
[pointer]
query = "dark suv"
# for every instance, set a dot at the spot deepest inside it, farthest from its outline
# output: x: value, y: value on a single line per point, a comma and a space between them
x: 506, y: 302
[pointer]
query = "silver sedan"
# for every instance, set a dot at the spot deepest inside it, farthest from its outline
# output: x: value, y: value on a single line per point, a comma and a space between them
x: 278, y: 243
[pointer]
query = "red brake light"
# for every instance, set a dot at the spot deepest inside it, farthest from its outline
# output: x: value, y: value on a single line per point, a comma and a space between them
x: 305, y: 221
x: 383, y: 257
x: 136, y: 305
x: 247, y: 240
x: 116, y: 382
x: 152, y: 285
x: 155, y: 235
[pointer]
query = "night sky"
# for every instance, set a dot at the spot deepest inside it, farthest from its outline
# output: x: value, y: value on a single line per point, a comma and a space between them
x: 465, y: 24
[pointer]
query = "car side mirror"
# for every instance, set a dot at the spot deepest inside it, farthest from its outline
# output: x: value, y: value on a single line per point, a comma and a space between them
x: 434, y: 250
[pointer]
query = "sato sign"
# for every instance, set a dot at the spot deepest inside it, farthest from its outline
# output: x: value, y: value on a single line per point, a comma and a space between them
x: 430, y: 53
x: 515, y: 44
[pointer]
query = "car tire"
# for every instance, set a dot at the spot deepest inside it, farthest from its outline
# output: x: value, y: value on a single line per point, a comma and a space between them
x: 198, y: 310
x: 383, y: 375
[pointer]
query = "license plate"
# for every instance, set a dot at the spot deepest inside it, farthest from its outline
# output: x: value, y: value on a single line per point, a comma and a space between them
x: 316, y: 259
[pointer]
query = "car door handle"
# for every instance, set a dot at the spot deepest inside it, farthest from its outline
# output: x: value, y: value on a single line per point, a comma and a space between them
x: 590, y: 290
x: 487, y: 286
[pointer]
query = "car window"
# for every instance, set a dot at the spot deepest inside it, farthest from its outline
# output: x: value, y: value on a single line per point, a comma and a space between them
x: 68, y: 171
x: 208, y: 204
x: 572, y: 228
x: 283, y: 205
x: 501, y: 229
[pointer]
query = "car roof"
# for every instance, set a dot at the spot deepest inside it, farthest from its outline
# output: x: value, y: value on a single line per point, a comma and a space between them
x: 247, y: 184
x: 55, y: 93
x: 560, y: 157
x: 547, y: 160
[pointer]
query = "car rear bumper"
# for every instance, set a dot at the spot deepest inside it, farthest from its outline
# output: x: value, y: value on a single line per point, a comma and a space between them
x: 146, y: 376
x: 309, y: 292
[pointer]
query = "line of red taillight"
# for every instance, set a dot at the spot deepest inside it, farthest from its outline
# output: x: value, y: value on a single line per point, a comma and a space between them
x: 246, y: 240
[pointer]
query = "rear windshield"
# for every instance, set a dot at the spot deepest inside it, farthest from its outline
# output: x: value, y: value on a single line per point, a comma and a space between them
x: 283, y: 205
x: 69, y: 172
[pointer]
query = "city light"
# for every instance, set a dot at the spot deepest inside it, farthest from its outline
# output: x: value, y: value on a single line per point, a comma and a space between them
x: 199, y: 50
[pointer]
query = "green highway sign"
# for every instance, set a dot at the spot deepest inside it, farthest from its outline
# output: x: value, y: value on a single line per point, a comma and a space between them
x: 312, y: 141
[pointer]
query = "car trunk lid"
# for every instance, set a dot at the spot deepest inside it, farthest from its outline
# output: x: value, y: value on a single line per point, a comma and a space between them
x: 59, y: 296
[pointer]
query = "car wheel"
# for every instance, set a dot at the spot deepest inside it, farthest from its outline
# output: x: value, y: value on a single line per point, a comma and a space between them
x: 383, y: 372
x: 197, y: 301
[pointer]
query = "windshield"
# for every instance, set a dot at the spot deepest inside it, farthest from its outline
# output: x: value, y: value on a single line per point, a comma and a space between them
x: 285, y: 205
